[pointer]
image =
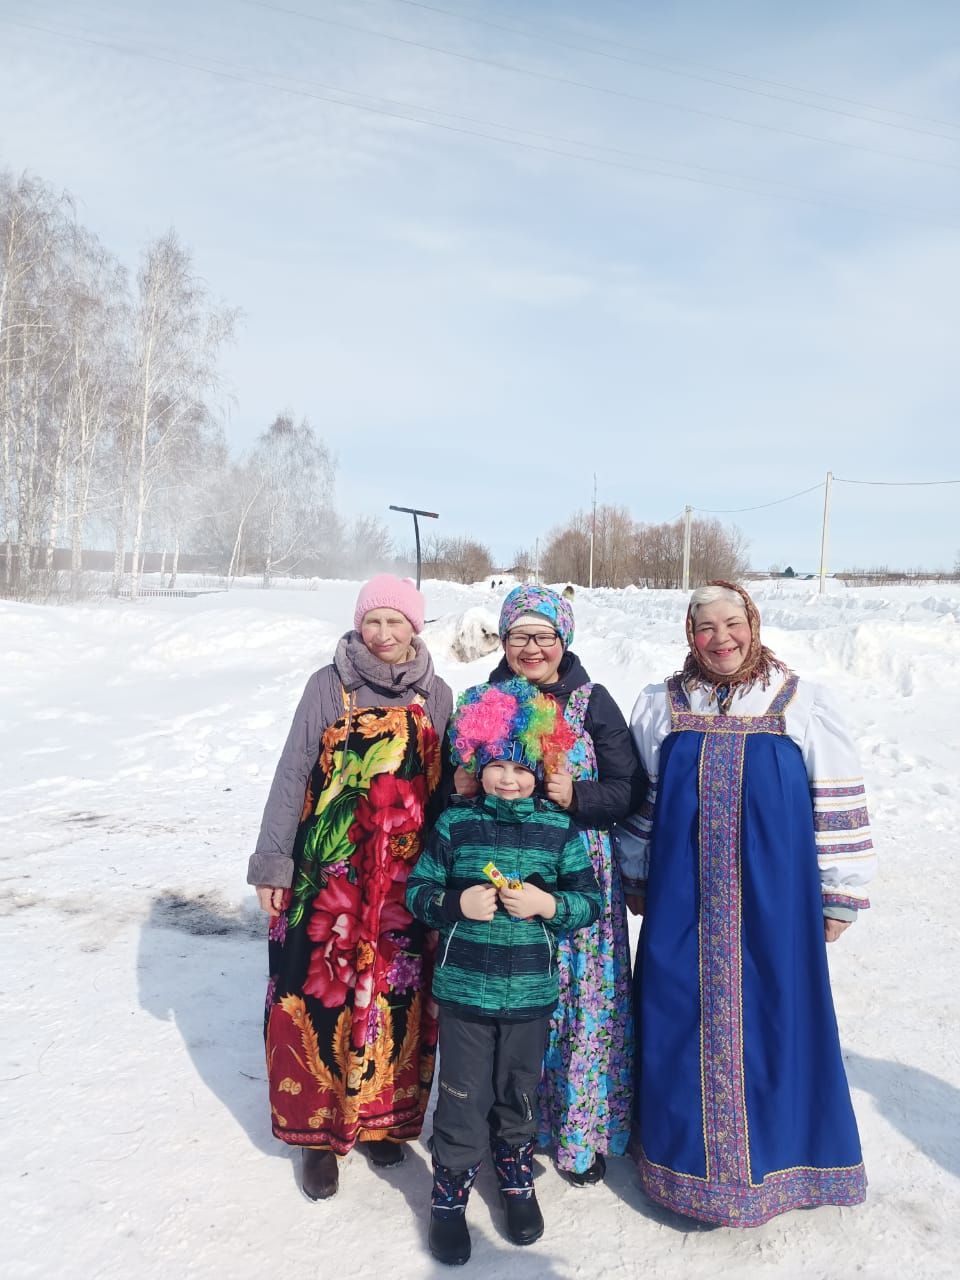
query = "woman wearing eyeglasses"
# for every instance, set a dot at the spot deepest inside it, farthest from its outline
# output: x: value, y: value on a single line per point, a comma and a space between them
x: 586, y: 1089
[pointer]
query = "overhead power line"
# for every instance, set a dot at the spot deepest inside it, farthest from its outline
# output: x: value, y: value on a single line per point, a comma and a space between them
x: 414, y: 114
x: 651, y: 64
x: 837, y: 480
x: 895, y: 483
x: 606, y: 90
x: 412, y: 107
x: 730, y: 511
x: 659, y: 57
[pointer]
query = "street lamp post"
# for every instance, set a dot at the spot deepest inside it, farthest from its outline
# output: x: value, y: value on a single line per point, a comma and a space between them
x: 415, y: 512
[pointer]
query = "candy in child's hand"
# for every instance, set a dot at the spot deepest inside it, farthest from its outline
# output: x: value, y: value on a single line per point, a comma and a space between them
x: 495, y: 875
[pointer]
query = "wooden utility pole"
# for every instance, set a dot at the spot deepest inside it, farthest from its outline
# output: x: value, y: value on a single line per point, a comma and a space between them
x: 593, y: 527
x: 823, y: 534
x: 687, y: 514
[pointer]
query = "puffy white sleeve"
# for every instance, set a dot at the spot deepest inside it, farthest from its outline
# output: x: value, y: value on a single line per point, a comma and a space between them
x: 649, y: 725
x: 845, y: 850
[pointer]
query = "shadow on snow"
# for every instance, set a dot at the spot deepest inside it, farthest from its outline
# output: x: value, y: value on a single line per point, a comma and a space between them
x: 202, y: 965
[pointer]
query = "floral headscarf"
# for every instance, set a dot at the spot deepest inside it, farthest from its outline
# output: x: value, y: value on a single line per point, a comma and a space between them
x: 759, y: 664
x: 532, y: 598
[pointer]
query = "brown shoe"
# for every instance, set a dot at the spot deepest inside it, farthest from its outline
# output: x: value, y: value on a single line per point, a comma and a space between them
x: 321, y: 1176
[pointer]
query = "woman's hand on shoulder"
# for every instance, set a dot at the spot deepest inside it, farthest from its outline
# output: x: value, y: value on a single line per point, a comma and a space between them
x: 272, y: 900
x: 832, y: 929
x: 558, y: 787
x: 479, y: 902
x: 465, y: 783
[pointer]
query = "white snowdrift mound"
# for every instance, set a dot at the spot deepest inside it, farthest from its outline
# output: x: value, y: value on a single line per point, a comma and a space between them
x: 137, y: 744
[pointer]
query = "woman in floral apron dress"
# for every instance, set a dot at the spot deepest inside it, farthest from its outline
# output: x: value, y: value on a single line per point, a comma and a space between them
x: 350, y: 1025
x: 587, y: 1086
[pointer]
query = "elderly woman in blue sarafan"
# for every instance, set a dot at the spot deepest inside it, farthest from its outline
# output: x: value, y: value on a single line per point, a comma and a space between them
x: 586, y: 1093
x: 753, y: 847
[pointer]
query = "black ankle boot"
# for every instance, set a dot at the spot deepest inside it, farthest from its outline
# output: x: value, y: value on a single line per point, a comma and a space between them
x: 321, y: 1177
x: 524, y: 1219
x: 514, y: 1166
x: 596, y: 1173
x: 384, y: 1154
x: 449, y: 1238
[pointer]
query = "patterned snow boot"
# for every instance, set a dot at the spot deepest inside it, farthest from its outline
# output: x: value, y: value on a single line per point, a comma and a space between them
x: 449, y: 1238
x: 514, y: 1166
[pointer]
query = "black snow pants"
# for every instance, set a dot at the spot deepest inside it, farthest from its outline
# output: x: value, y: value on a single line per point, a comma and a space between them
x: 489, y: 1073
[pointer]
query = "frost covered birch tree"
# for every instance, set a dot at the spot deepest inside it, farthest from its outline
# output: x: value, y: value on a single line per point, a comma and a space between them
x: 109, y: 426
x: 96, y: 318
x: 177, y: 335
x: 294, y: 520
x: 35, y: 225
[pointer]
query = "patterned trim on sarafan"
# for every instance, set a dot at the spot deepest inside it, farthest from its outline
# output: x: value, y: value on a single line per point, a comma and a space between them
x: 751, y: 1206
x: 725, y: 1132
x: 682, y: 719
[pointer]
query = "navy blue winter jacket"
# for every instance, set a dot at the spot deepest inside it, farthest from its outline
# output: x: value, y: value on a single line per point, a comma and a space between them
x: 622, y: 783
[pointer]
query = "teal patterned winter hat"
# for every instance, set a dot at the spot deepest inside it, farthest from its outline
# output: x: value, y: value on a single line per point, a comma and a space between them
x: 531, y: 598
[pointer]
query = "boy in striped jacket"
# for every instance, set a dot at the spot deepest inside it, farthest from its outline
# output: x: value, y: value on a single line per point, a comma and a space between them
x: 502, y: 875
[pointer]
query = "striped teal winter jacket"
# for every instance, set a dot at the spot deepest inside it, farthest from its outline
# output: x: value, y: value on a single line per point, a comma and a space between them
x: 506, y: 967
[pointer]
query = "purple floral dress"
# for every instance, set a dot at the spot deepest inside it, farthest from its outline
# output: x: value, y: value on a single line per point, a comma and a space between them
x: 586, y: 1092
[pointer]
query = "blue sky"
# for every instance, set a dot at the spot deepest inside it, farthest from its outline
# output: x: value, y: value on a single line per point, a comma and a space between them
x: 477, y: 327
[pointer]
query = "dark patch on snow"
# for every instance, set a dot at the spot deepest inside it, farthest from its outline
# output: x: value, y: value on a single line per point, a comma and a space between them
x: 206, y: 916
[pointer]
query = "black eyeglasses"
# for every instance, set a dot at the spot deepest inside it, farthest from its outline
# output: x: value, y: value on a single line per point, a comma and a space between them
x: 542, y: 639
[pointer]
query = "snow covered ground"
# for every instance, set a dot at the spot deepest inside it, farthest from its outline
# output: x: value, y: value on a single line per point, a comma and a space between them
x: 137, y: 743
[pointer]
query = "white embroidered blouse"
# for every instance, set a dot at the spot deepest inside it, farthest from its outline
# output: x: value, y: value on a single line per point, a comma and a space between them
x: 844, y: 846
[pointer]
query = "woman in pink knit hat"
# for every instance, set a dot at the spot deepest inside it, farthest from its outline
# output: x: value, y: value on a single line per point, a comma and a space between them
x: 350, y: 1026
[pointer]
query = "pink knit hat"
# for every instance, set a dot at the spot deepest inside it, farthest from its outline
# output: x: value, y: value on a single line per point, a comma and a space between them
x: 387, y: 592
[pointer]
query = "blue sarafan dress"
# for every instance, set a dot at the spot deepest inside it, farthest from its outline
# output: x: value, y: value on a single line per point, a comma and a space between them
x: 743, y: 1105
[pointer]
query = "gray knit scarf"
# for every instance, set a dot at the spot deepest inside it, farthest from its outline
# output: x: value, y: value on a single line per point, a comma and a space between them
x: 356, y: 666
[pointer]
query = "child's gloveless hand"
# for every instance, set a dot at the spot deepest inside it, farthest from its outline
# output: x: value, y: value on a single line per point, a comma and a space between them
x: 529, y: 901
x: 479, y: 902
